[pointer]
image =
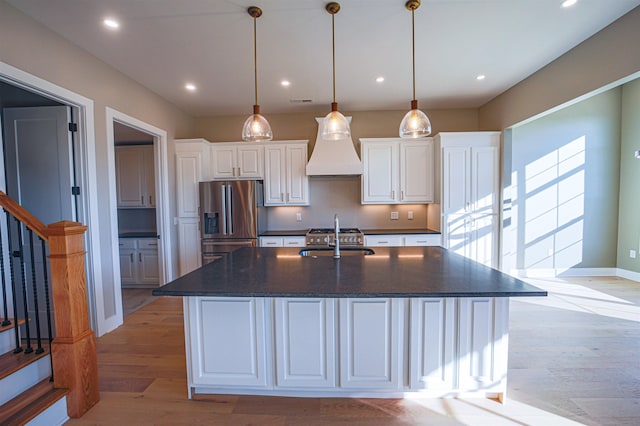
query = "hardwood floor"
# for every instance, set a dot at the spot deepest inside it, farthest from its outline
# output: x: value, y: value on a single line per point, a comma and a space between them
x: 134, y: 299
x: 573, y: 359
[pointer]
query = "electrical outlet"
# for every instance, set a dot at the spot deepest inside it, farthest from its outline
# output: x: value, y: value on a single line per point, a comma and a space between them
x: 395, y: 216
x: 632, y: 254
x: 410, y: 215
x: 298, y: 217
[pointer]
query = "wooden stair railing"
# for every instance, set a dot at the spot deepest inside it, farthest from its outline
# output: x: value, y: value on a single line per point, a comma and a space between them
x: 74, y: 357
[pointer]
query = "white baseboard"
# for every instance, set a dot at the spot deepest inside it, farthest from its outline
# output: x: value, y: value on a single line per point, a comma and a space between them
x: 630, y: 275
x: 575, y: 272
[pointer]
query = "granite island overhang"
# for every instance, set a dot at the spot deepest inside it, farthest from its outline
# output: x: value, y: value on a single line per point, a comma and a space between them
x: 408, y: 320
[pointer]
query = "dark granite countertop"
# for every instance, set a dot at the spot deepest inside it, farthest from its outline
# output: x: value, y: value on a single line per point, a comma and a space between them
x: 138, y: 234
x: 296, y: 233
x: 390, y: 272
x: 398, y: 231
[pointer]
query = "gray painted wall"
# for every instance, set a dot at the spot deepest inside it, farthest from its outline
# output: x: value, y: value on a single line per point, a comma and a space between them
x: 629, y: 218
x: 564, y: 188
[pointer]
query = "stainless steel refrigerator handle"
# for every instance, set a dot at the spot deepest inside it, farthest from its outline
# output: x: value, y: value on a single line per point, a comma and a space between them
x: 224, y: 208
x: 230, y: 209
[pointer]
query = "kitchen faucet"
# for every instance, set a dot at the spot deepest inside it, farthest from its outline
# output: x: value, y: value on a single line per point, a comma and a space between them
x: 336, y: 239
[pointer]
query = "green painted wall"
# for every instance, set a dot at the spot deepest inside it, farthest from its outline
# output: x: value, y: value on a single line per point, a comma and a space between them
x: 629, y: 216
x: 564, y: 187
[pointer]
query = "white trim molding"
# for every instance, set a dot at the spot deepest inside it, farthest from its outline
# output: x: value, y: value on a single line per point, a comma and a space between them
x: 575, y: 272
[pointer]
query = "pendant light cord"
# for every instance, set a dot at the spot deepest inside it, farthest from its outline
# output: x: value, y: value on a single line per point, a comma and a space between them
x: 413, y: 52
x: 255, y: 60
x: 333, y: 52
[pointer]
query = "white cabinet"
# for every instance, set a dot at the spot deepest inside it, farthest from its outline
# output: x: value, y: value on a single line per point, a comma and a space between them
x: 139, y: 265
x: 470, y: 194
x: 135, y: 177
x: 383, y: 240
x: 192, y: 166
x: 227, y: 337
x: 286, y: 182
x: 282, y: 241
x: 371, y: 335
x: 483, y: 341
x: 432, y: 343
x: 402, y: 240
x: 305, y: 343
x: 397, y: 171
x: 233, y: 160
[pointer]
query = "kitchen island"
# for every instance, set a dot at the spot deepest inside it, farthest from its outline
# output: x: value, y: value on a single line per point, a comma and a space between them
x: 406, y: 320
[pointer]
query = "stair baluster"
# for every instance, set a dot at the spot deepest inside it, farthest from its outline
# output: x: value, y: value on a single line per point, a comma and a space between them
x: 34, y: 286
x: 20, y: 253
x: 5, y: 306
x: 46, y: 296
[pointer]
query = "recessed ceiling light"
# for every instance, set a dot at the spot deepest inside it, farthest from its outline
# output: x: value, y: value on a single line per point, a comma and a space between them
x: 111, y: 23
x: 569, y: 3
x: 481, y: 77
x: 285, y: 83
x: 379, y: 79
x: 190, y: 87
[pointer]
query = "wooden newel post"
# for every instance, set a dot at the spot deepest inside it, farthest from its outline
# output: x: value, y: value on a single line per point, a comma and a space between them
x: 75, y: 365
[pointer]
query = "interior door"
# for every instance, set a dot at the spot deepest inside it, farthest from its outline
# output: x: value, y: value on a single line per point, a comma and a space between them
x: 38, y: 164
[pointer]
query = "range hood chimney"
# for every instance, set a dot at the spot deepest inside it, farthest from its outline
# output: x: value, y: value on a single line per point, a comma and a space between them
x: 333, y: 157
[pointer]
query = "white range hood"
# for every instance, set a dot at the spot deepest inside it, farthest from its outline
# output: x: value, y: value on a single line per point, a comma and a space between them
x: 333, y: 157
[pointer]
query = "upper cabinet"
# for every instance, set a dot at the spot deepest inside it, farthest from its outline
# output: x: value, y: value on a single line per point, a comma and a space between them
x: 236, y: 160
x: 286, y: 182
x: 135, y: 177
x: 397, y: 171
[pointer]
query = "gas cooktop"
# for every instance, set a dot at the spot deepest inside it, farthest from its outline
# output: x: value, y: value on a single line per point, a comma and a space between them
x: 326, y: 236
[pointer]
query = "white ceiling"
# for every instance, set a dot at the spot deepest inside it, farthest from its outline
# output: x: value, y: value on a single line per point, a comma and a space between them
x: 164, y: 44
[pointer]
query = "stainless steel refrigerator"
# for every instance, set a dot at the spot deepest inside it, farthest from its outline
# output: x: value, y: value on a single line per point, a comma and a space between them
x: 231, y: 216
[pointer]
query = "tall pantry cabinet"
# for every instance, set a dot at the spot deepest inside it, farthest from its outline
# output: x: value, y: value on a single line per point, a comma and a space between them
x: 470, y: 194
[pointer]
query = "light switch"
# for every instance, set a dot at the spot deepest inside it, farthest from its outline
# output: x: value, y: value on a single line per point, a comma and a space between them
x: 298, y: 217
x: 410, y: 215
x: 394, y: 216
x: 632, y: 254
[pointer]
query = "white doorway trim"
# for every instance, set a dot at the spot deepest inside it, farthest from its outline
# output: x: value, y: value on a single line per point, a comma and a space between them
x: 87, y: 179
x: 162, y: 193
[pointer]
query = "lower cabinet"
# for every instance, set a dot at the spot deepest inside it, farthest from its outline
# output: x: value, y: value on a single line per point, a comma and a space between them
x: 282, y: 241
x: 139, y: 265
x: 305, y: 336
x: 189, y: 244
x: 227, y: 337
x: 370, y: 343
x: 347, y: 346
x: 397, y: 240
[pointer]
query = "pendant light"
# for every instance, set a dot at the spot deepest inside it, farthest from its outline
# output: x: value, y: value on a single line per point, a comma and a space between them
x: 335, y: 125
x: 256, y: 127
x: 415, y: 123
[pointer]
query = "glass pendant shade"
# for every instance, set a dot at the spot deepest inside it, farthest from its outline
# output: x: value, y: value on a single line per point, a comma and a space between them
x: 415, y: 124
x: 335, y: 126
x: 256, y: 128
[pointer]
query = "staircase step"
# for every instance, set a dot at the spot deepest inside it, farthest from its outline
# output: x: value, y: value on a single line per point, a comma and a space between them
x: 20, y: 371
x: 7, y: 336
x: 31, y: 403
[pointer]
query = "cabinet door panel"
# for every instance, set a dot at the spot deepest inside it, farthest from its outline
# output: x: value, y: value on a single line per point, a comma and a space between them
x: 128, y: 266
x: 476, y: 342
x: 369, y: 343
x: 228, y: 340
x: 130, y: 177
x: 485, y: 189
x: 305, y: 349
x: 416, y: 172
x: 250, y: 161
x: 148, y: 267
x: 188, y: 171
x: 271, y: 242
x: 379, y: 180
x: 274, y: 176
x: 149, y: 177
x: 188, y: 244
x: 482, y: 239
x: 455, y: 180
x: 223, y: 162
x: 297, y: 179
x: 432, y: 343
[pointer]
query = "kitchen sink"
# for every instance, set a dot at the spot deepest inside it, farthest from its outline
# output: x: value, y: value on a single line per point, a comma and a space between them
x: 328, y: 251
